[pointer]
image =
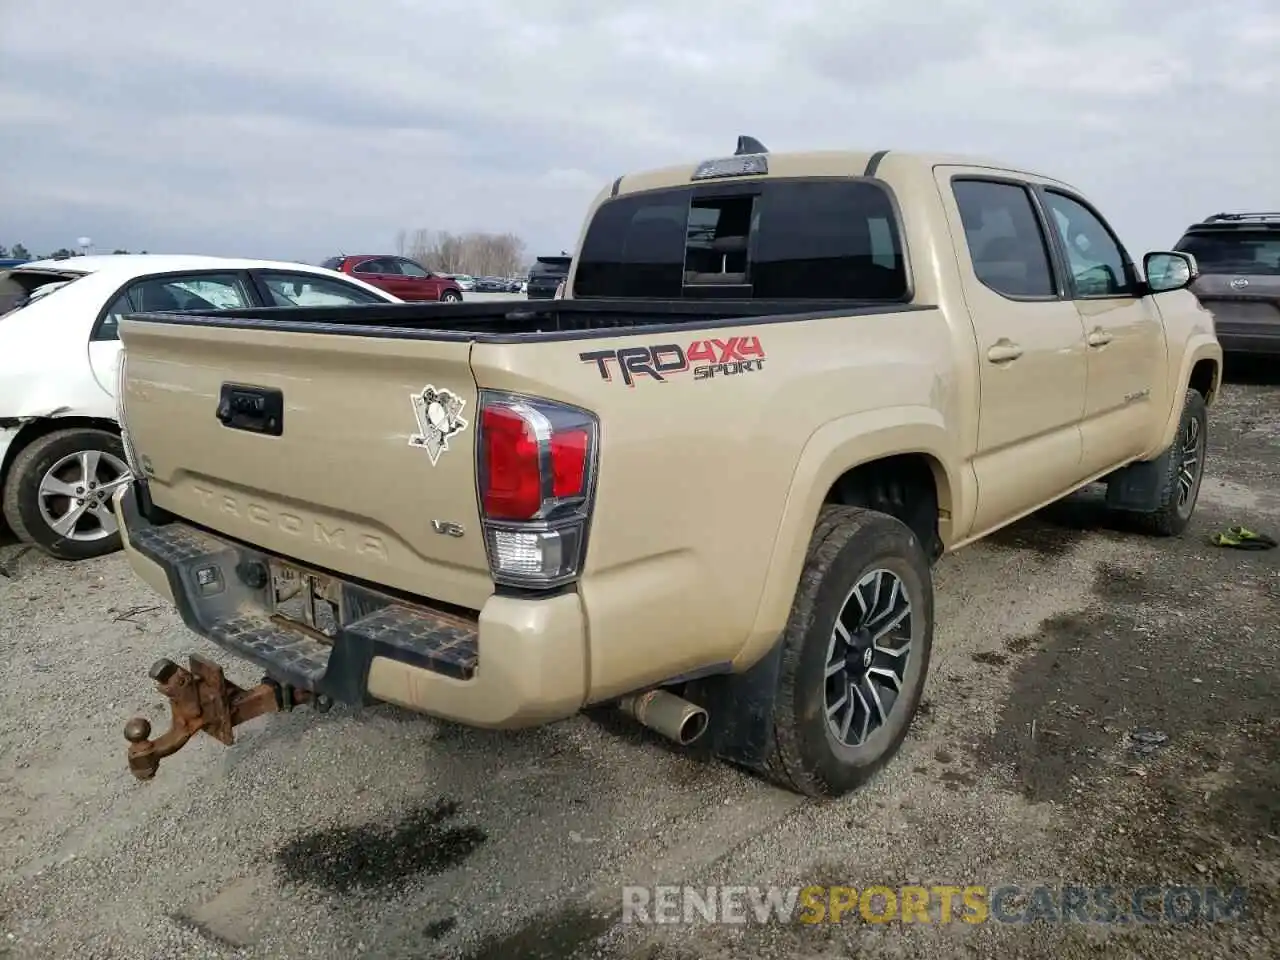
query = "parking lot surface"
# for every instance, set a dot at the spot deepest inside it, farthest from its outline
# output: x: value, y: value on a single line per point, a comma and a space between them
x: 1101, y: 710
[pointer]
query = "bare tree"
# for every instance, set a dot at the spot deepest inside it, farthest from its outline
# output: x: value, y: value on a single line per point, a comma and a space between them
x: 477, y: 254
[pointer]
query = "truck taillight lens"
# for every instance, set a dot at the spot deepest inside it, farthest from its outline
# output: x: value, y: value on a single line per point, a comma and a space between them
x: 536, y: 470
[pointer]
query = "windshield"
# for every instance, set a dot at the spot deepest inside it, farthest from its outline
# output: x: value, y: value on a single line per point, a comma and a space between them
x: 1255, y: 252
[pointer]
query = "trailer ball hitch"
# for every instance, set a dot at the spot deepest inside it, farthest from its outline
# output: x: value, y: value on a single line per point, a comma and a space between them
x: 200, y: 698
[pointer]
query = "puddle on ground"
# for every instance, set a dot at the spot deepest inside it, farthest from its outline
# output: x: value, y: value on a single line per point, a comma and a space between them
x: 560, y: 935
x: 378, y: 856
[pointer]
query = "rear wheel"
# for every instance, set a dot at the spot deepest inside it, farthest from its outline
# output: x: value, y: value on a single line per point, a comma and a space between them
x: 451, y: 296
x: 58, y: 493
x: 855, y: 653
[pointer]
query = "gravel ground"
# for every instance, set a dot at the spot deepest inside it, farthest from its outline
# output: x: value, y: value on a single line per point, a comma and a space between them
x: 389, y: 835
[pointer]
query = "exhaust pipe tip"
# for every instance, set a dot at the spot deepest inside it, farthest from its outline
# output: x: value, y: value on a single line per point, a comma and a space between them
x: 694, y: 726
x: 663, y: 712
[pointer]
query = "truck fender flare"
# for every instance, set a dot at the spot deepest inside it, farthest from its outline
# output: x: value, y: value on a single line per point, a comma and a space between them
x: 834, y: 448
x: 1199, y: 347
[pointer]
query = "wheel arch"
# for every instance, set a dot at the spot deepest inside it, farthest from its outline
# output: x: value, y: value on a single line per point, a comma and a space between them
x: 910, y: 443
x: 33, y: 428
x: 1199, y: 370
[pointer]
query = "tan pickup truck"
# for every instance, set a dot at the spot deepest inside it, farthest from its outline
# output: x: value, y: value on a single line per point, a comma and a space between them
x: 707, y: 486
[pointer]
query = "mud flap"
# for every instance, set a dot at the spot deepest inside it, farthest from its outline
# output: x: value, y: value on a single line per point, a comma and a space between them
x: 1139, y: 487
x: 740, y: 710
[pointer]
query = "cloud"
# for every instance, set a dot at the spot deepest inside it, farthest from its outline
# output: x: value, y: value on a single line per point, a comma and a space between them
x: 272, y: 129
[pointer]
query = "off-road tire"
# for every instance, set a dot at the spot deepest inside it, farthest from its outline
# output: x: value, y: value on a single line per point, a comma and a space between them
x: 1167, y: 520
x: 847, y: 543
x: 21, y: 488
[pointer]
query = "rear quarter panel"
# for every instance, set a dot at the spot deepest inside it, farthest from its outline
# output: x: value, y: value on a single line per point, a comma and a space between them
x: 697, y: 475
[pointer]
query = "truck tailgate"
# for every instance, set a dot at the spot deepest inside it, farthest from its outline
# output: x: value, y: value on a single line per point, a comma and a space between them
x: 368, y: 469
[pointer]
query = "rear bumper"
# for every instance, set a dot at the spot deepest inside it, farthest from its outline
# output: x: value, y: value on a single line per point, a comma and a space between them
x: 1260, y: 338
x: 519, y: 663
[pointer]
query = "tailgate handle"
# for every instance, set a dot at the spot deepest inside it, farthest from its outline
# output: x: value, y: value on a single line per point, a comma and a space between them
x: 254, y: 409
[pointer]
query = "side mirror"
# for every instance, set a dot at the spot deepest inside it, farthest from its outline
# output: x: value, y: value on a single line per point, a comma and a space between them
x: 1169, y: 270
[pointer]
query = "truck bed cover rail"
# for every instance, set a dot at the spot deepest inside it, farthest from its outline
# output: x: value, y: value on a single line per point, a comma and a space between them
x: 519, y: 321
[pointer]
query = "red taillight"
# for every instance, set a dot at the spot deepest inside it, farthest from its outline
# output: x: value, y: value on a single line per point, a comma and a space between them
x: 535, y: 465
x: 510, y: 474
x: 569, y: 462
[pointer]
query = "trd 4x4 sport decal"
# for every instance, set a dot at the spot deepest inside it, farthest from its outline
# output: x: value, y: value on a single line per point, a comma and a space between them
x: 708, y: 359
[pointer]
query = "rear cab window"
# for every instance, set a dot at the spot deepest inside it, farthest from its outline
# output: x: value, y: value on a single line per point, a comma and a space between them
x: 805, y: 239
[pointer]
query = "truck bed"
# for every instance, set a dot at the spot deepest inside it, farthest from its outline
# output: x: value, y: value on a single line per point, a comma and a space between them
x: 522, y: 321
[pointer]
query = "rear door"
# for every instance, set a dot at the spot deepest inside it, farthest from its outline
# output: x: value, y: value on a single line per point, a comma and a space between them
x: 341, y: 452
x: 1030, y: 338
x: 380, y: 272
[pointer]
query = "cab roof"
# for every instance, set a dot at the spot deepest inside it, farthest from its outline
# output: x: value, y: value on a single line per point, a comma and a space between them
x: 815, y: 163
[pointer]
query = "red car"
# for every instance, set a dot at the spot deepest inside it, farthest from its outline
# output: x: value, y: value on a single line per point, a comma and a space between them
x: 399, y: 276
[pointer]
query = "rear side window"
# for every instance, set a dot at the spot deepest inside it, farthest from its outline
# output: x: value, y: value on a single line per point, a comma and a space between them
x: 333, y: 263
x: 1253, y: 252
x: 800, y: 239
x: 1006, y: 244
x: 172, y: 294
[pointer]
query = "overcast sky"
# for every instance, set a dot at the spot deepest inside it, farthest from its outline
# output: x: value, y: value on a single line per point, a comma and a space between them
x: 299, y: 130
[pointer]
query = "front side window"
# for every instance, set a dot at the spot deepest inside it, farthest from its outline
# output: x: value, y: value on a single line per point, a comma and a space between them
x: 1006, y: 244
x: 1099, y: 267
x: 305, y: 290
x: 411, y: 269
x: 811, y: 239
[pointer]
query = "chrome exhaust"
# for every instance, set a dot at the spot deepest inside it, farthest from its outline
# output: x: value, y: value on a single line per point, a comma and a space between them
x: 663, y: 712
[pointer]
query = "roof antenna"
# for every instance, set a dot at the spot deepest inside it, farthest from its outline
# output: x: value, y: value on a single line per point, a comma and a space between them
x: 749, y: 145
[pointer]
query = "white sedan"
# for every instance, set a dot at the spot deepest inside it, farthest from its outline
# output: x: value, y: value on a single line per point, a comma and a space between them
x: 60, y: 451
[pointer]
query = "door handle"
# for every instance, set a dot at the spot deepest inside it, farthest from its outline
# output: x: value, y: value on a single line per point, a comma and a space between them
x: 1004, y: 352
x: 1098, y: 338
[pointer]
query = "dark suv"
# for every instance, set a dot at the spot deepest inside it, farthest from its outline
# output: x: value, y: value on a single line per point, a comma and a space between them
x: 1239, y: 258
x: 545, y: 276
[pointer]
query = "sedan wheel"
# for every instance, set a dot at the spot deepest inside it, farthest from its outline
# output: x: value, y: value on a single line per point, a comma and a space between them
x: 75, y: 495
x: 58, y: 493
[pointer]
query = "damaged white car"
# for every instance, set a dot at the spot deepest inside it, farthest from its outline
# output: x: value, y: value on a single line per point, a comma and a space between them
x: 60, y: 451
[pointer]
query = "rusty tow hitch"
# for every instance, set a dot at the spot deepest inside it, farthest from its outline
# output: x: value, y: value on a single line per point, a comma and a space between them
x: 202, y: 698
